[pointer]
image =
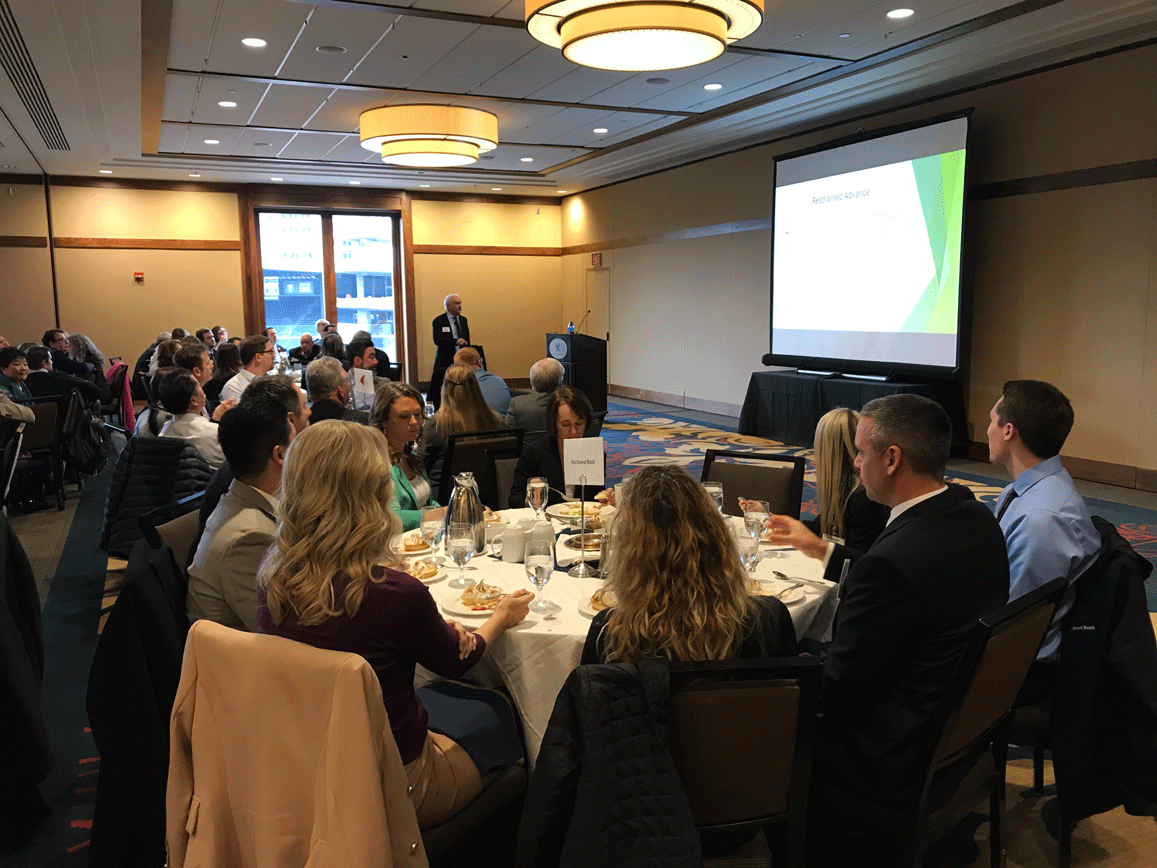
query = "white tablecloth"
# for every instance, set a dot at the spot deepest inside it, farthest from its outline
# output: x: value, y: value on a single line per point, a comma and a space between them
x: 534, y: 658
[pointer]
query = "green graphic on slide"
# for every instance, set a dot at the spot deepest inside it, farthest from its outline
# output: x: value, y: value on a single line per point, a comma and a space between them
x: 940, y: 185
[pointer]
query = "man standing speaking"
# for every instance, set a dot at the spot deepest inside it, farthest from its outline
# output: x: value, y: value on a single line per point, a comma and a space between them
x: 451, y: 331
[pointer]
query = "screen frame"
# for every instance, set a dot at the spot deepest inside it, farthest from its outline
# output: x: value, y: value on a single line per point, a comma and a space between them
x: 964, y: 294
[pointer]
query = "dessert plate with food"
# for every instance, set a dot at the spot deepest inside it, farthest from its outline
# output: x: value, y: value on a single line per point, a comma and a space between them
x: 425, y: 570
x: 412, y: 544
x: 572, y: 513
x: 603, y: 598
x: 786, y: 593
x: 477, y: 601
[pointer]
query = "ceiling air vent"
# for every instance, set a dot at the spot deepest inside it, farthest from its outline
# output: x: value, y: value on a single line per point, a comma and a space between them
x: 17, y: 63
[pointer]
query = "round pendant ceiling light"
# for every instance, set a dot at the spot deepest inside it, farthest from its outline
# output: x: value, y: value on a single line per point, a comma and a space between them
x: 428, y: 136
x: 637, y: 36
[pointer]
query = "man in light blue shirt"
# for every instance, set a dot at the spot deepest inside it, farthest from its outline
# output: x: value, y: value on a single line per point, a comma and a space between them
x: 1045, y: 521
x: 494, y: 388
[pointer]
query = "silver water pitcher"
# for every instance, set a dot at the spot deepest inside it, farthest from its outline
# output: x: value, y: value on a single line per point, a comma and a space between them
x: 465, y: 506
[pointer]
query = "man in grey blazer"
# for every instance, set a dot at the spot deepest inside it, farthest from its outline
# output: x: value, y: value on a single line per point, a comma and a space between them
x: 254, y: 436
x: 529, y: 411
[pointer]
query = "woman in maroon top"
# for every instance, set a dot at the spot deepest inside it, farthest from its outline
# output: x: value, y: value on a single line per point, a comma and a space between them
x: 331, y: 580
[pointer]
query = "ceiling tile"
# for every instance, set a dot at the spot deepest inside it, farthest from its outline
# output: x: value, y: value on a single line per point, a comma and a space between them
x: 561, y: 128
x: 342, y: 108
x: 289, y: 105
x: 191, y: 33
x: 349, y: 150
x: 472, y: 7
x: 173, y: 138
x: 751, y: 75
x: 538, y: 67
x: 619, y: 126
x: 262, y: 144
x: 214, y: 89
x: 482, y: 54
x: 412, y: 47
x: 356, y: 30
x: 310, y: 146
x: 635, y: 90
x: 795, y: 19
x: 514, y: 118
x: 580, y: 83
x: 180, y: 94
x: 508, y: 158
x: 195, y: 141
x: 275, y: 21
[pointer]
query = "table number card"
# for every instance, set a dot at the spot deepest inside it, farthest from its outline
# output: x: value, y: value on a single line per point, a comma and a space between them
x: 583, y: 457
x: 363, y: 388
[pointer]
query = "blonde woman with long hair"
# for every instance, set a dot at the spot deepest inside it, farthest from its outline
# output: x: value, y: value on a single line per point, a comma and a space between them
x: 681, y: 590
x: 845, y: 512
x: 332, y: 581
x: 462, y: 410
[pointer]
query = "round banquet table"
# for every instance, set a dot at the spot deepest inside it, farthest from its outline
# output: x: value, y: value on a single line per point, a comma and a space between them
x: 533, y: 659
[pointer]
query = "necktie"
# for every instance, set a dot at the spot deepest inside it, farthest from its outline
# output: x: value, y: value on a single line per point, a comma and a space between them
x: 1004, y: 506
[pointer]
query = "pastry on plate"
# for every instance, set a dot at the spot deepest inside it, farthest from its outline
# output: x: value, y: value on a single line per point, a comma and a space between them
x: 603, y: 598
x: 482, y: 596
x: 425, y: 569
x: 414, y: 543
x: 490, y: 514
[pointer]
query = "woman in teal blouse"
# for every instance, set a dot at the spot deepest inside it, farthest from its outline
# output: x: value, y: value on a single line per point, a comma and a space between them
x: 398, y: 414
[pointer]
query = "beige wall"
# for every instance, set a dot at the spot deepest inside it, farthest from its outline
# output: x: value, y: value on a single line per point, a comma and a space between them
x: 1065, y: 282
x: 27, y: 271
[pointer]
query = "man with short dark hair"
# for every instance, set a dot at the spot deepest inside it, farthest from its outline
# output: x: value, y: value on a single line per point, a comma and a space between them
x: 183, y: 396
x: 44, y: 382
x: 1045, y: 521
x: 256, y: 361
x: 57, y: 342
x: 280, y: 356
x: 529, y: 411
x: 907, y: 608
x: 363, y: 376
x: 13, y: 373
x: 255, y: 436
x: 329, y: 392
x: 195, y: 359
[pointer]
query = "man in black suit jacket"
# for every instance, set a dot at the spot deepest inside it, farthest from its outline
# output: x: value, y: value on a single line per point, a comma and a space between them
x: 451, y: 332
x: 906, y: 610
x: 57, y: 342
x: 46, y: 382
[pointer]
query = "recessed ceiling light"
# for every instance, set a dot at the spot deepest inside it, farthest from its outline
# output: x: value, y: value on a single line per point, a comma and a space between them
x: 713, y: 87
x: 330, y: 49
x: 355, y: 182
x: 495, y: 189
x: 261, y: 144
x: 527, y: 159
x: 560, y: 191
x: 845, y: 36
x: 227, y: 103
x: 105, y: 171
x: 253, y: 42
x: 658, y: 80
x: 423, y: 185
x: 276, y: 179
x: 212, y: 141
x: 896, y: 14
x: 194, y: 175
x: 598, y: 131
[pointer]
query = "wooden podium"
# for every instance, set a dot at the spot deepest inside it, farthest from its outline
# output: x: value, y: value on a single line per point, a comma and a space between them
x: 584, y: 362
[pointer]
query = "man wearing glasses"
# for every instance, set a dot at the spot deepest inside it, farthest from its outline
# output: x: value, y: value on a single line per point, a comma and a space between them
x: 256, y: 361
x: 57, y: 342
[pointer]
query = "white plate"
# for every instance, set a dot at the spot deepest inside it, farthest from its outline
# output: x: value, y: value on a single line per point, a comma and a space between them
x: 774, y: 588
x: 560, y: 512
x: 400, y: 549
x: 437, y: 577
x: 452, y: 604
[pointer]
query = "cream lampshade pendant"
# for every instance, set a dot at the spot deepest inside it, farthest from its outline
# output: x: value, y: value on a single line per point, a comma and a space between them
x: 428, y: 136
x: 637, y: 36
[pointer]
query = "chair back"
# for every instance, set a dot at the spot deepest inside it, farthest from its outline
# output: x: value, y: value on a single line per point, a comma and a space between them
x: 991, y: 672
x: 595, y: 428
x: 41, y: 433
x: 470, y: 452
x: 769, y: 476
x: 174, y: 525
x: 334, y: 775
x: 742, y: 735
x: 502, y: 470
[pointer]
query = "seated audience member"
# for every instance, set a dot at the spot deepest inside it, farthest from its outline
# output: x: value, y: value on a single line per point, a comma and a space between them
x: 908, y: 607
x: 183, y: 397
x: 195, y: 359
x: 398, y: 413
x: 361, y: 355
x: 223, y: 576
x: 280, y: 356
x: 179, y: 334
x: 333, y: 348
x: 141, y: 368
x: 256, y: 361
x: 322, y: 327
x: 568, y: 415
x: 226, y: 363
x: 846, y: 513
x: 205, y: 336
x: 332, y: 588
x: 3, y: 342
x: 220, y: 334
x: 44, y: 382
x: 163, y: 355
x: 1046, y: 524
x: 13, y: 373
x: 275, y: 387
x: 494, y: 388
x: 9, y: 409
x: 153, y: 418
x: 529, y: 411
x: 680, y: 591
x: 56, y: 340
x: 83, y: 350
x: 329, y: 392
x: 462, y: 410
x: 306, y: 353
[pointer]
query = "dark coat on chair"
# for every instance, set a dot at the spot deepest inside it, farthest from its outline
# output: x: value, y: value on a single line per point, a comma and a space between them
x: 907, y: 609
x: 131, y: 688
x: 1104, y: 716
x: 52, y: 384
x: 150, y: 472
x: 605, y: 790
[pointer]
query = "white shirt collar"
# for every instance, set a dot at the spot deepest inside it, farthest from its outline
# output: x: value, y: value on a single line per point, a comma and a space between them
x: 908, y: 504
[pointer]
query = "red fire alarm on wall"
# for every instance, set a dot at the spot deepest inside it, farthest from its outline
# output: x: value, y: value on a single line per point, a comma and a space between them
x: 139, y: 276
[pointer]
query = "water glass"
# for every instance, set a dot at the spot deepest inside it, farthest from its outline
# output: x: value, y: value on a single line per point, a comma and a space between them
x: 537, y: 494
x: 430, y: 526
x: 539, y: 560
x: 748, y: 549
x: 715, y: 489
x: 460, y: 547
x: 755, y: 514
